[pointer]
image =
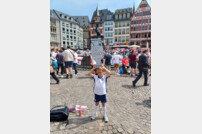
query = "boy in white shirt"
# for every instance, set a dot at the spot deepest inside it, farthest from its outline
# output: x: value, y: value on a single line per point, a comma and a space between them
x: 100, y: 89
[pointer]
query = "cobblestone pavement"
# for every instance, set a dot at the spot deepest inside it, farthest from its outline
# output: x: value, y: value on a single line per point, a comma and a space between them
x: 128, y: 108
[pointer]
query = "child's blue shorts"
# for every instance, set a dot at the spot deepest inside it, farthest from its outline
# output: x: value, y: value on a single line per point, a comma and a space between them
x: 101, y: 98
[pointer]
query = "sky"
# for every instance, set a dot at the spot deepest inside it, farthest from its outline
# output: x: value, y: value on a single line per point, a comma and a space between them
x: 87, y: 7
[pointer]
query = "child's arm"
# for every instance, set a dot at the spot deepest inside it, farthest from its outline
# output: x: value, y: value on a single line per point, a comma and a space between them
x: 108, y: 72
x: 91, y: 72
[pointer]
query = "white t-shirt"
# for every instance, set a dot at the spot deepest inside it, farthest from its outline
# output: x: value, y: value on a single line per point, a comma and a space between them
x: 68, y: 55
x: 117, y: 59
x: 53, y: 54
x: 100, y: 85
x: 76, y: 58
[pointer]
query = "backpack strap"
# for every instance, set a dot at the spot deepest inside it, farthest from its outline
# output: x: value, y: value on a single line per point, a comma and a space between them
x: 57, y: 107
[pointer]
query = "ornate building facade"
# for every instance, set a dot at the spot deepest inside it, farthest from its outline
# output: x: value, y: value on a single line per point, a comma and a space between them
x: 140, y: 25
x: 122, y: 26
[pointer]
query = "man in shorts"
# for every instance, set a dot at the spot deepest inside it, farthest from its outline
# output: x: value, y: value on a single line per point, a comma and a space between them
x: 68, y: 56
x: 117, y: 58
x: 132, y: 62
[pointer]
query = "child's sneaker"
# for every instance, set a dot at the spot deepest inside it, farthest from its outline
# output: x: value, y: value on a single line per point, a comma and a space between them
x: 93, y: 116
x: 106, y: 119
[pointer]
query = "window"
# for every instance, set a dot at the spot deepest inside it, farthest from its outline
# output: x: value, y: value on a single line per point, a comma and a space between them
x: 63, y: 30
x: 119, y: 39
x: 120, y: 16
x: 127, y: 38
x: 127, y: 31
x: 123, y: 39
x: 67, y: 31
x: 116, y: 24
x: 128, y: 23
x: 115, y: 40
x: 134, y: 22
x: 124, y: 16
x: 145, y: 28
x: 131, y: 22
x: 63, y: 42
x: 120, y: 24
x: 140, y: 14
x: 123, y: 31
x: 149, y: 27
x: 146, y: 20
x: 119, y: 31
x: 142, y: 27
x: 64, y: 38
x: 140, y: 21
x: 150, y: 20
x: 116, y: 31
x: 123, y: 23
x: 139, y: 28
x: 116, y: 17
x: 128, y: 15
x: 143, y: 21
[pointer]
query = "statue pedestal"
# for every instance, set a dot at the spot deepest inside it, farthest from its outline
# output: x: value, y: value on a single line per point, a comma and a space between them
x: 97, y: 51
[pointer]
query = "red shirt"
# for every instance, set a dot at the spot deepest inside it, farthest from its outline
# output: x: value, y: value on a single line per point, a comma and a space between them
x: 132, y: 58
x: 125, y: 62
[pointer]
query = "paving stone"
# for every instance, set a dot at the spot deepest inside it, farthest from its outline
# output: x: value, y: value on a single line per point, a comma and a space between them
x: 114, y: 131
x: 130, y: 131
x: 120, y: 130
x: 104, y: 132
x: 109, y: 132
x: 109, y: 127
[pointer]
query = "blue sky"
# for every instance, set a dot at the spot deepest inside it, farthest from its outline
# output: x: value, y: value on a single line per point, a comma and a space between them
x: 87, y: 7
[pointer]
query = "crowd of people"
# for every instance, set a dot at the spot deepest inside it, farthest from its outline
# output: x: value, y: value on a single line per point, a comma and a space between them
x: 124, y: 61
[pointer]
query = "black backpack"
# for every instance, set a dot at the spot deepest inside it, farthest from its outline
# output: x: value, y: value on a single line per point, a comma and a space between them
x: 59, y: 113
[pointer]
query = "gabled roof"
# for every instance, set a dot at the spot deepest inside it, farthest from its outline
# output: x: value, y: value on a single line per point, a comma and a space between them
x: 82, y: 20
x: 103, y: 15
x: 64, y: 16
x: 53, y: 15
x: 125, y: 10
x: 143, y: 3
